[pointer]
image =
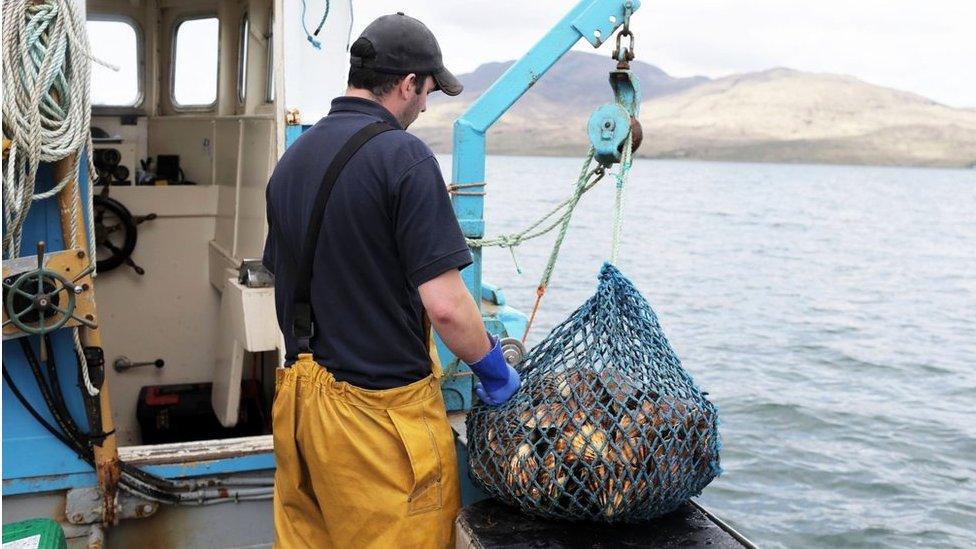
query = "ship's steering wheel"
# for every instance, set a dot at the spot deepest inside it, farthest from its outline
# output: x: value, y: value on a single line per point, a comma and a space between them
x: 115, y: 231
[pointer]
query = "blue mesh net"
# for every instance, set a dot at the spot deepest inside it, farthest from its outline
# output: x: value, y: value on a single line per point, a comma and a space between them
x: 607, y: 426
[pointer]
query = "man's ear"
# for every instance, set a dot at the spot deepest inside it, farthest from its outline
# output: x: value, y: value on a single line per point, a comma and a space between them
x: 406, y: 86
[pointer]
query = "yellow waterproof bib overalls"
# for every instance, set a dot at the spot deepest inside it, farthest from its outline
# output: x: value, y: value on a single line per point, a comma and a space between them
x: 358, y: 467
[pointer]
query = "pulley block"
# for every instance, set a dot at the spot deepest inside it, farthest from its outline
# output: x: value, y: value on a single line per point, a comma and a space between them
x: 608, y: 128
x: 612, y: 123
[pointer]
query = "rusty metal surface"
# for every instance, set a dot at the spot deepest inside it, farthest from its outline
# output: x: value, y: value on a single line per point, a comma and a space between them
x: 107, y: 466
x: 109, y: 472
x: 637, y: 134
x: 84, y: 506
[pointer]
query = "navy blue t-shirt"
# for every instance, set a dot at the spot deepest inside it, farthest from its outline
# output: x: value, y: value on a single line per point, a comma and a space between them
x: 388, y: 228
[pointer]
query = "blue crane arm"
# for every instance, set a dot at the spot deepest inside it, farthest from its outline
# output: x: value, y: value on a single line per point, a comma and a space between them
x: 593, y: 20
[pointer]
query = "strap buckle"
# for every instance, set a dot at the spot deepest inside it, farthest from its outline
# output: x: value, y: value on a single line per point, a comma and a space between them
x: 303, y: 327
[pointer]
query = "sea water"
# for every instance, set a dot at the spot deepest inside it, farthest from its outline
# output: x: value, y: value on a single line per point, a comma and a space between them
x: 829, y: 311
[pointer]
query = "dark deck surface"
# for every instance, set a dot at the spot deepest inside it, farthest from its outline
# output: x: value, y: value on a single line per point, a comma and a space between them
x: 489, y: 524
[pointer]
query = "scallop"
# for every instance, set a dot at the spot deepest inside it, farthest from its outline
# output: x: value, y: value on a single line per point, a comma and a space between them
x: 550, y: 416
x: 590, y: 443
x: 610, y: 499
x: 522, y: 468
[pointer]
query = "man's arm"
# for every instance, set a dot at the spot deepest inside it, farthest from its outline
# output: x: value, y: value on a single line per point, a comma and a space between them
x: 458, y: 321
x: 455, y: 316
x: 432, y: 249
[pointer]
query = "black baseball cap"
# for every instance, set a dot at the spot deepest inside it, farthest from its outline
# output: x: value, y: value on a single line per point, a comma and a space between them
x: 400, y: 44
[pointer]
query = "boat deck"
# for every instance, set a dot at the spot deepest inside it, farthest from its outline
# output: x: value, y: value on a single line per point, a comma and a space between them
x: 489, y: 524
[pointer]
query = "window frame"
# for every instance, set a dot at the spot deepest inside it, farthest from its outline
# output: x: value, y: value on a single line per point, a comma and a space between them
x: 138, y: 106
x: 269, y: 85
x: 177, y: 23
x: 242, y: 54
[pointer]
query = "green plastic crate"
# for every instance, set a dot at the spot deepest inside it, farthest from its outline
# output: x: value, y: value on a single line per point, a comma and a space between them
x: 34, y: 534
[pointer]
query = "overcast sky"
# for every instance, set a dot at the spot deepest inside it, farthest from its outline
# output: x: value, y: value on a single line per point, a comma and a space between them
x: 923, y: 46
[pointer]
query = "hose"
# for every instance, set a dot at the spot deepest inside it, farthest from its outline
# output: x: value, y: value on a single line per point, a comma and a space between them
x: 133, y: 480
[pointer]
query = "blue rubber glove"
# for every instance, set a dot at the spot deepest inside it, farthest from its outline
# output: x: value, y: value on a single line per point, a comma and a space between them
x: 498, y: 381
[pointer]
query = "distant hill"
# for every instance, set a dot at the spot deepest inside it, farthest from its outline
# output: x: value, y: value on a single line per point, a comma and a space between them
x: 547, y: 119
x: 779, y: 115
x: 578, y: 79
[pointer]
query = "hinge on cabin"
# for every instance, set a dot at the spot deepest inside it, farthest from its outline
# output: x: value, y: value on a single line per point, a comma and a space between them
x: 293, y: 117
x: 84, y: 506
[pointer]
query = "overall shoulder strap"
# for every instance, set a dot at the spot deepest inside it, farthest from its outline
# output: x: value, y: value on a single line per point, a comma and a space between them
x: 302, y: 323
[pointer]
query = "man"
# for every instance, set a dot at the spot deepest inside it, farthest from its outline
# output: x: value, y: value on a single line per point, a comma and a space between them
x: 364, y: 453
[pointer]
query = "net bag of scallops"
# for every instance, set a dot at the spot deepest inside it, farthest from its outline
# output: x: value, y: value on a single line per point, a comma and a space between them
x: 607, y: 425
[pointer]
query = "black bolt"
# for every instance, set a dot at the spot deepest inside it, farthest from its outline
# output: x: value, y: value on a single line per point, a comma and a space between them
x: 90, y: 317
x: 81, y: 254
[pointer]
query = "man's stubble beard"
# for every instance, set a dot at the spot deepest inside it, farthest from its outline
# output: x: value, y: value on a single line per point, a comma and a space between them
x: 410, y: 113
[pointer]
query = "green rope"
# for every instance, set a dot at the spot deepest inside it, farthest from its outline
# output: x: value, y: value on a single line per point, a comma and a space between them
x: 626, y: 159
x: 571, y: 207
x: 557, y: 217
x: 561, y: 215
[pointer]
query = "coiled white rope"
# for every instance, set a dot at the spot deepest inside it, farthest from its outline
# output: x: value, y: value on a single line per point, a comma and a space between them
x: 46, y: 114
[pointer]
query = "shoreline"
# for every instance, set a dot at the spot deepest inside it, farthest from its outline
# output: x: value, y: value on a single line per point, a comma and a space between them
x: 809, y: 163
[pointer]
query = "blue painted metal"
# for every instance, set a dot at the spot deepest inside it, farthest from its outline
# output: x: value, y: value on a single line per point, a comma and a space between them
x: 594, y: 20
x: 626, y: 90
x: 51, y: 483
x: 28, y: 449
x: 223, y: 466
x: 608, y: 128
x: 514, y: 321
x: 293, y: 131
x: 501, y: 319
x: 609, y: 125
x: 492, y: 294
x: 470, y: 493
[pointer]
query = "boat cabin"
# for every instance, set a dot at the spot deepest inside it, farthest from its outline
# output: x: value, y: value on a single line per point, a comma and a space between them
x: 188, y: 130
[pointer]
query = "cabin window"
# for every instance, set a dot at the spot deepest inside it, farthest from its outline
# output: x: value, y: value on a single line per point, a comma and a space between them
x: 195, y: 63
x: 242, y: 61
x: 114, y: 42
